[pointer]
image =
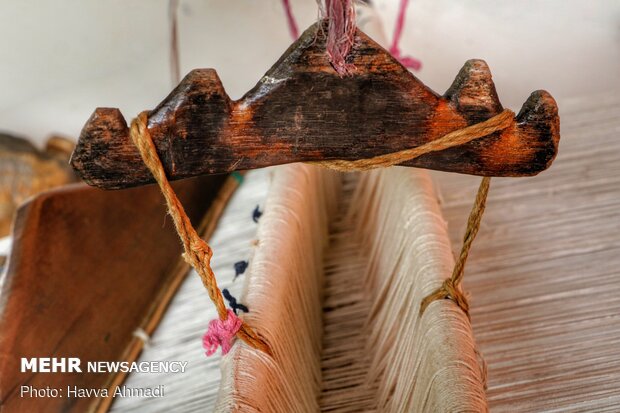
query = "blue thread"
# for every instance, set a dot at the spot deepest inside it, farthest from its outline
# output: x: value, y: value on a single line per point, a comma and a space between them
x: 240, y: 267
x: 256, y: 214
x: 232, y: 302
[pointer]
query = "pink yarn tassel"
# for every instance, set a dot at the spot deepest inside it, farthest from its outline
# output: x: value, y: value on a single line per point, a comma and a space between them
x: 221, y: 333
x: 340, y: 33
x: 340, y: 15
x: 407, y: 61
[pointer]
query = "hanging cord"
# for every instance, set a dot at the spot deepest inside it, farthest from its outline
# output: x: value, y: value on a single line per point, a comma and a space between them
x: 451, y: 287
x: 407, y: 61
x: 341, y: 28
x: 290, y: 18
x: 197, y: 251
x: 175, y: 65
x: 340, y: 15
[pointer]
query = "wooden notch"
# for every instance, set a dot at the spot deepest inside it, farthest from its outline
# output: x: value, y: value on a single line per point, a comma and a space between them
x: 301, y: 110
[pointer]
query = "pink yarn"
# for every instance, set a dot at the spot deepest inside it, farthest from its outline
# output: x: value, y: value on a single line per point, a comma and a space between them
x: 340, y: 34
x: 341, y: 31
x: 221, y: 333
x: 407, y: 61
x: 292, y: 24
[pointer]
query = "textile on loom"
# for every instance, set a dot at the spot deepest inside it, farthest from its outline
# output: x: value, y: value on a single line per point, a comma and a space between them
x: 335, y: 285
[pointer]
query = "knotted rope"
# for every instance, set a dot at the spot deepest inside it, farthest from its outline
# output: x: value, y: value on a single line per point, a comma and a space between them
x: 197, y: 251
x: 220, y: 333
x: 451, y: 287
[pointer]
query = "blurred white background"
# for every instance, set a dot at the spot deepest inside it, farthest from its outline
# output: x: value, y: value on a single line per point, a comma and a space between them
x: 61, y: 59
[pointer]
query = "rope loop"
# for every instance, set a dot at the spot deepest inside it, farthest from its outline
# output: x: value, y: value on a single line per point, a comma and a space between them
x: 197, y: 251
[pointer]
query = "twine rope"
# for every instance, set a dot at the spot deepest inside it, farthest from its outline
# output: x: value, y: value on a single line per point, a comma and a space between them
x: 458, y: 137
x: 451, y: 287
x: 198, y: 253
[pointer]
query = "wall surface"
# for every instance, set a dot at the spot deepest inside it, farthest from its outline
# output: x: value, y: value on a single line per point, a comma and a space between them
x: 61, y: 59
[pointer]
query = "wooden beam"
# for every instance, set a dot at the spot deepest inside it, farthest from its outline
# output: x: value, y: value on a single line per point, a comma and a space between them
x: 301, y: 110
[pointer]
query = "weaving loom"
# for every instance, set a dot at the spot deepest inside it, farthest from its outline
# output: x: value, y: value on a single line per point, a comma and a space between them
x: 339, y: 284
x: 537, y: 360
x: 342, y: 264
x: 348, y: 307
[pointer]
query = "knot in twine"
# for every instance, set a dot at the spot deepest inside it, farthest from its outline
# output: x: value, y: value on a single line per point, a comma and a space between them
x: 449, y: 290
x: 221, y: 333
x: 197, y: 252
x: 451, y: 287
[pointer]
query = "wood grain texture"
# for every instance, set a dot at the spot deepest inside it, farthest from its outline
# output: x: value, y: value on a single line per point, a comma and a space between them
x: 86, y: 269
x: 301, y: 110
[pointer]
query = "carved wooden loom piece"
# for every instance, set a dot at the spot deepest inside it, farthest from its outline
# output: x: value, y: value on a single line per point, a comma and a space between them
x: 301, y: 110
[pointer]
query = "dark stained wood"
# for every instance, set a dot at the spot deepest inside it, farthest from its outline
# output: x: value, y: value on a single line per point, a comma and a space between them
x: 301, y: 110
x: 86, y: 269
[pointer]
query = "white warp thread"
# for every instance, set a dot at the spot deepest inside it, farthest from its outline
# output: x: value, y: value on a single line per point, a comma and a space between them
x: 344, y: 323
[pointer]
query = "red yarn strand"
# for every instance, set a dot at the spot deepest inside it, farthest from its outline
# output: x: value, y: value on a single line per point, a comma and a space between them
x: 407, y: 61
x: 290, y: 18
